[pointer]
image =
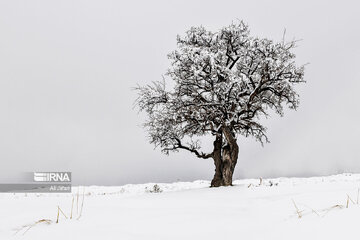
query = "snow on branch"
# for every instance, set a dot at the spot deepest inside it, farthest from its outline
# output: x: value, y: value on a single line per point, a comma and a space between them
x: 225, y: 79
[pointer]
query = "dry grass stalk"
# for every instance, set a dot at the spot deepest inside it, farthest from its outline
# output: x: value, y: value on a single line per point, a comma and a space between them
x: 315, y: 212
x: 297, y: 209
x: 327, y: 210
x: 82, y: 204
x: 77, y: 201
x: 72, y: 205
x: 29, y: 226
x: 350, y: 199
x: 57, y: 218
x: 62, y: 213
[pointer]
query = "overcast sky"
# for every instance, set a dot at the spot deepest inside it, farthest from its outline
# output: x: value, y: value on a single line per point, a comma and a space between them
x: 67, y: 68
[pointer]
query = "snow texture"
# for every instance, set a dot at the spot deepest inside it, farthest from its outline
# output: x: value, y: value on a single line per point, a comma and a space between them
x: 282, y: 208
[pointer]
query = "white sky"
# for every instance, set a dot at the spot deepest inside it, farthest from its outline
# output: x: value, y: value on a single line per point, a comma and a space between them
x: 67, y: 69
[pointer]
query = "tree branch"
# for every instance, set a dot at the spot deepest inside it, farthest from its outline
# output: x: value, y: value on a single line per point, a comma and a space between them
x: 193, y: 150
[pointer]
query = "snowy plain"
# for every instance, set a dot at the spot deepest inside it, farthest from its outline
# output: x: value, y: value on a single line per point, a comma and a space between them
x: 281, y: 208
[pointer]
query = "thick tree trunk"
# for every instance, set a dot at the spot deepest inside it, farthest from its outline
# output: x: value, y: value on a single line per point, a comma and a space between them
x: 229, y: 160
x: 218, y: 179
x: 225, y: 159
x: 230, y: 156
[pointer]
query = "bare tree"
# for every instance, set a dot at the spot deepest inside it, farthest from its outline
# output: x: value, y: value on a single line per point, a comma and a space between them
x: 222, y: 83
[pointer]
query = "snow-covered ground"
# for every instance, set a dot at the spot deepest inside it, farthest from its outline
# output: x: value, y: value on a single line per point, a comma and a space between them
x: 282, y: 208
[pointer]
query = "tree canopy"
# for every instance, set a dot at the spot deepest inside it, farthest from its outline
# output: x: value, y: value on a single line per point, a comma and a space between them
x: 221, y: 84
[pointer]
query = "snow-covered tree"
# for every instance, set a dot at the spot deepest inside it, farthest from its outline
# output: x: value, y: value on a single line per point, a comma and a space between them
x: 221, y: 84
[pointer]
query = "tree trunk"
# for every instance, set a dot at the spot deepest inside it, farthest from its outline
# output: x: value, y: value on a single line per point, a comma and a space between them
x: 218, y: 179
x: 225, y: 159
x: 230, y: 156
x: 229, y: 160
